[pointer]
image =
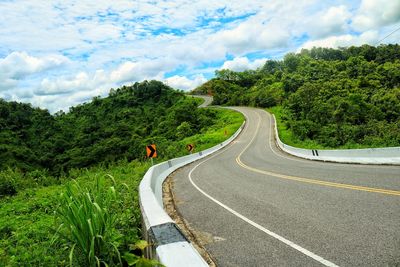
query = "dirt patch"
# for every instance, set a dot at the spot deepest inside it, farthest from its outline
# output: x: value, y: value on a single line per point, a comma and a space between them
x: 197, y: 238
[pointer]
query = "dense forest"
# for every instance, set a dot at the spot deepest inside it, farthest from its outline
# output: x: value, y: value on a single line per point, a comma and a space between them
x: 102, y: 131
x: 334, y: 97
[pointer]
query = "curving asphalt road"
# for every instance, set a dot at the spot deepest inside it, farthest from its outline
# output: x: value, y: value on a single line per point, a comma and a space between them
x: 207, y: 100
x: 266, y: 208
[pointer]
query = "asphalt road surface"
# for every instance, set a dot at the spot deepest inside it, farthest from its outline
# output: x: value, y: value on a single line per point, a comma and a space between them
x: 266, y: 208
x: 207, y: 100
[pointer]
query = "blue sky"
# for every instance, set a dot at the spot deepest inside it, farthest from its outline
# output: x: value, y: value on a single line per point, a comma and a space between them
x: 55, y: 54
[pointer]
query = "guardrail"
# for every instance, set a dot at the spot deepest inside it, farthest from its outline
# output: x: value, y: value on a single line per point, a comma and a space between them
x: 168, y: 244
x: 389, y: 155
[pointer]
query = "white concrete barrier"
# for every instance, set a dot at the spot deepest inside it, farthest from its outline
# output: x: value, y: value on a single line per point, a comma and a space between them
x: 388, y: 155
x: 169, y: 245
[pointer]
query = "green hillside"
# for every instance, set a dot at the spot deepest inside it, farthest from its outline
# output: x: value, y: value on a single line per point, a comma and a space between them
x: 102, y: 131
x: 327, y: 98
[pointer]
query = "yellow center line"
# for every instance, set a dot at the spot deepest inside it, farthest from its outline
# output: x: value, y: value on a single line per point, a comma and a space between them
x: 319, y: 182
x: 307, y: 180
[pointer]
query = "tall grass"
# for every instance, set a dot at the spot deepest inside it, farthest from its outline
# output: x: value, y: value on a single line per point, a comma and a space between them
x: 227, y: 123
x: 287, y: 136
x: 88, y: 223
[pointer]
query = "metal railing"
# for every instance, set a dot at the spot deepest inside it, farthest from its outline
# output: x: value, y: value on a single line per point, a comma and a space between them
x: 388, y: 155
x: 168, y: 244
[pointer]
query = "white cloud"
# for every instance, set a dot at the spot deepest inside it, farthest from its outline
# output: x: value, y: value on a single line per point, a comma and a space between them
x: 97, y: 32
x: 136, y: 71
x: 331, y: 21
x: 7, y: 84
x: 376, y: 13
x: 184, y: 83
x: 19, y: 64
x: 252, y: 35
x: 243, y: 63
x: 64, y: 85
x: 64, y: 91
x: 369, y: 37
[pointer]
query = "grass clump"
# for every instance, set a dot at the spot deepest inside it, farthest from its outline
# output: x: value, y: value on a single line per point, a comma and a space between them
x: 26, y: 223
x: 88, y: 222
x: 227, y: 123
x: 286, y: 135
x: 8, y: 185
x: 13, y: 180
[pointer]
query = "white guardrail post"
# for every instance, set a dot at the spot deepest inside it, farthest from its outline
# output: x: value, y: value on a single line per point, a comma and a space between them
x: 388, y: 155
x: 168, y: 244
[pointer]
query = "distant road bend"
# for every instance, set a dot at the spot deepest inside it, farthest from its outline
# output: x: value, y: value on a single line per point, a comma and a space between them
x: 207, y: 100
x: 266, y: 208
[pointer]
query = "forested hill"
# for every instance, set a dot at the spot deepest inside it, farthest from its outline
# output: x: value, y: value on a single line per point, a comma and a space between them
x: 104, y: 130
x: 332, y: 97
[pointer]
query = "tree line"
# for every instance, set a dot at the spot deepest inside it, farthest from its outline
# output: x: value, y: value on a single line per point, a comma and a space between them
x: 335, y: 97
x: 102, y: 131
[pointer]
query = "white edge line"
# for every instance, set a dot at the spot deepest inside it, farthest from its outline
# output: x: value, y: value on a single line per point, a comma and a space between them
x: 256, y: 225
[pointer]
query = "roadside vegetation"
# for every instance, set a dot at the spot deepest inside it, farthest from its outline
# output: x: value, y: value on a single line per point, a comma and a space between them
x: 323, y: 97
x: 69, y: 181
x: 30, y: 221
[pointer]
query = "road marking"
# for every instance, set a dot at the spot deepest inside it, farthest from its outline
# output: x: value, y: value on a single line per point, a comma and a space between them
x: 285, y: 157
x: 256, y: 225
x: 308, y: 180
x: 319, y: 182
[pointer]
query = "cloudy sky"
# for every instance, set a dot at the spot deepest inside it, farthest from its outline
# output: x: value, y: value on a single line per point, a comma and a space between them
x: 55, y: 54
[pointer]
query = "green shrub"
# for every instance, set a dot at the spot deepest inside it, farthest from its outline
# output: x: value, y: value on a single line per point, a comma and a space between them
x: 40, y: 178
x: 88, y: 219
x: 7, y: 184
x: 26, y: 220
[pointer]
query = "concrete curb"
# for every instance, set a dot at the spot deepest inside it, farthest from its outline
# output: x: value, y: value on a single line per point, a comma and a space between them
x: 168, y: 244
x: 381, y: 156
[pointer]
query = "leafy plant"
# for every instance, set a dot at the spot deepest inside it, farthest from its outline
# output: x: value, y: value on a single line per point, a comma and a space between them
x: 88, y: 223
x: 7, y: 184
x: 140, y: 261
x: 7, y: 187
